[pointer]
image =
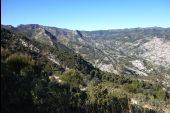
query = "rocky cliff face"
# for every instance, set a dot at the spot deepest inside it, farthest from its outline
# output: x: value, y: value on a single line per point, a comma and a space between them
x: 139, y: 51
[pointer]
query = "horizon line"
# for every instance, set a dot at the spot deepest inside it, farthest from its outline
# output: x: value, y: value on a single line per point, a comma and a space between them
x: 87, y: 30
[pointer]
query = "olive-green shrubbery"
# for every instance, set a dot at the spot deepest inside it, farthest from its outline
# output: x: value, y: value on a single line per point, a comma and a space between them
x: 72, y: 77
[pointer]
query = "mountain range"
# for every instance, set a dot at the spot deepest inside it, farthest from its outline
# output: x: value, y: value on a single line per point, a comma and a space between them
x: 87, y: 71
x: 135, y: 51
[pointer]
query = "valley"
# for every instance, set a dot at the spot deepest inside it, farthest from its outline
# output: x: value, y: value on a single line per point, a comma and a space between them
x: 141, y: 51
x: 92, y: 69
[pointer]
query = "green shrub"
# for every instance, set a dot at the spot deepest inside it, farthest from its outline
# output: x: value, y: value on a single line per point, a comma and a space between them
x: 133, y: 87
x: 18, y: 62
x: 4, y: 53
x: 72, y: 77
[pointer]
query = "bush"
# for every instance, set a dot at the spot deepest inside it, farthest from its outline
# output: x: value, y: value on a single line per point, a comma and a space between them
x: 133, y: 87
x: 18, y: 62
x: 4, y: 53
x: 72, y: 77
x: 106, y: 98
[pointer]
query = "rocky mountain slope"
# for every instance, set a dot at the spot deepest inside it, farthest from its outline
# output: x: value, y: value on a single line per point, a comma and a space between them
x: 137, y: 51
x: 59, y: 56
x: 39, y: 74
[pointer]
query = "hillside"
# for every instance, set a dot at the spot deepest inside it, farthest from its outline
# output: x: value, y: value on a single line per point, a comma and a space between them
x: 138, y: 51
x: 40, y: 73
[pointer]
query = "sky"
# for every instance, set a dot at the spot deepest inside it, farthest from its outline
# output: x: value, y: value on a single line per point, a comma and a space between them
x: 87, y: 14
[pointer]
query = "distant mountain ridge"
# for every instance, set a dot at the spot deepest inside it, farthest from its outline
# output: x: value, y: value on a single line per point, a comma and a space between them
x: 141, y: 51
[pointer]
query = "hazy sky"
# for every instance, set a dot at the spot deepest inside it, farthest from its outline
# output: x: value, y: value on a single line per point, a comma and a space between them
x: 87, y: 14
